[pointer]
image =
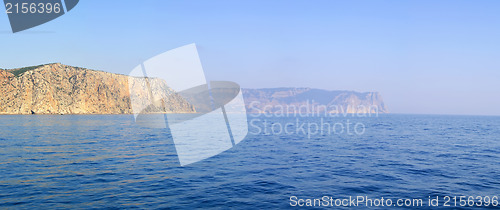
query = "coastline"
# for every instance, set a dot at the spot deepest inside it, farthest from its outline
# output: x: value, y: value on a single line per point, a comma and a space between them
x: 7, y: 114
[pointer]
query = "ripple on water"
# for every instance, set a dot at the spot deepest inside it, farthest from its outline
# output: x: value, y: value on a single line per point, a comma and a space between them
x: 109, y: 162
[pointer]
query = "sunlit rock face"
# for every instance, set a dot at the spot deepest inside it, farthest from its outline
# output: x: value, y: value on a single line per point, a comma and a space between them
x: 61, y: 89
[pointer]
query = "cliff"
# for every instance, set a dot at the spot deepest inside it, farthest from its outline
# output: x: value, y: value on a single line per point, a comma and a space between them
x: 307, y: 100
x: 61, y: 89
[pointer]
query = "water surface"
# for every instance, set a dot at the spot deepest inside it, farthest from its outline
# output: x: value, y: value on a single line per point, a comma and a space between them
x: 107, y: 161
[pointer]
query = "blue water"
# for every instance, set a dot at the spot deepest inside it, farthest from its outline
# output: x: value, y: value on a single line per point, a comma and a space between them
x: 107, y: 161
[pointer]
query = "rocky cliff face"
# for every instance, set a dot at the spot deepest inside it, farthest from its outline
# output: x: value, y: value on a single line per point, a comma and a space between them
x: 307, y: 100
x: 62, y: 89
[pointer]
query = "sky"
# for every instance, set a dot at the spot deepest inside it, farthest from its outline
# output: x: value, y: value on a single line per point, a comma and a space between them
x: 424, y: 57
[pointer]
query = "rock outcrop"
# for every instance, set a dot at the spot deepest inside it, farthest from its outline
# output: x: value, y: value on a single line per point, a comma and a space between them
x: 61, y: 89
x: 307, y: 100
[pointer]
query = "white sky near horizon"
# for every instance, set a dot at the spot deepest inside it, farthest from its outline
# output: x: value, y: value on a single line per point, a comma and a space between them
x: 424, y: 57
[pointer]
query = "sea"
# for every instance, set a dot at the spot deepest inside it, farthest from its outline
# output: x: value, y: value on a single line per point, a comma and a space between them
x: 110, y: 162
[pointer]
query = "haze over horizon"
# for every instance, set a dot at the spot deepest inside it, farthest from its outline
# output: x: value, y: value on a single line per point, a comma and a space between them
x: 424, y: 57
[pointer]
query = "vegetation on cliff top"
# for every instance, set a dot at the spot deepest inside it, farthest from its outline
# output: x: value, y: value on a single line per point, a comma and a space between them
x: 18, y: 72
